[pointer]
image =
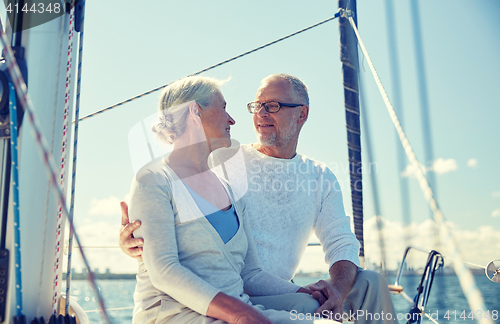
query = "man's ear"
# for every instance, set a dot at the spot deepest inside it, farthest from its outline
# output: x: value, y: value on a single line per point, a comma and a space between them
x: 304, y: 113
x: 194, y: 111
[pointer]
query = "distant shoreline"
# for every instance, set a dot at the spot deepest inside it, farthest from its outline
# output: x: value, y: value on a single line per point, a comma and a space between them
x: 101, y: 276
x: 121, y: 276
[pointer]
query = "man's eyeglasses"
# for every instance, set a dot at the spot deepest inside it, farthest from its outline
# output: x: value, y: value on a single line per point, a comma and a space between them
x: 270, y: 107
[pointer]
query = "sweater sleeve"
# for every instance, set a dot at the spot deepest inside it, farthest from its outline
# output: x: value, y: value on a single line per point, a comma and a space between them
x: 151, y: 203
x: 258, y: 282
x: 332, y: 225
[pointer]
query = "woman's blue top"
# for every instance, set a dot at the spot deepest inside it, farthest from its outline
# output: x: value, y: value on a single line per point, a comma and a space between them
x: 225, y: 222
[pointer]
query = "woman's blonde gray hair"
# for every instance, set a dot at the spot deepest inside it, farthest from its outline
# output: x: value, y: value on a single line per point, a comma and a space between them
x: 174, y: 104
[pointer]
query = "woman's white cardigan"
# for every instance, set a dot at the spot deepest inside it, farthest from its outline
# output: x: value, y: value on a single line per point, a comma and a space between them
x: 186, y: 263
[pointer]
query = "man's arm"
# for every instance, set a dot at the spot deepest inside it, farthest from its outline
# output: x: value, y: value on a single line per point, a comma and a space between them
x: 130, y: 246
x: 342, y: 277
x: 341, y: 248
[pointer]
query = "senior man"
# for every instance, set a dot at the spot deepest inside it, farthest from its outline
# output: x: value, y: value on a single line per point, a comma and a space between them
x: 289, y: 196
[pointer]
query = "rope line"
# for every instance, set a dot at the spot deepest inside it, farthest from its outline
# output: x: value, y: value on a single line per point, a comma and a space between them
x: 210, y: 67
x: 75, y: 147
x: 469, y: 287
x: 48, y: 159
x: 15, y: 199
x: 64, y: 154
x: 446, y: 257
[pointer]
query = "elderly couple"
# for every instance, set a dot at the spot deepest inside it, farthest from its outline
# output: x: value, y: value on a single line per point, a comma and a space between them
x: 210, y: 254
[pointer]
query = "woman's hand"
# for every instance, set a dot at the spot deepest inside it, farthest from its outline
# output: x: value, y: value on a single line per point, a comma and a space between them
x: 234, y: 311
x: 318, y: 295
x: 305, y: 291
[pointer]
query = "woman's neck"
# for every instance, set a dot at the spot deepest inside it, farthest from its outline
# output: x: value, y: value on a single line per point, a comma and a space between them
x: 191, y: 159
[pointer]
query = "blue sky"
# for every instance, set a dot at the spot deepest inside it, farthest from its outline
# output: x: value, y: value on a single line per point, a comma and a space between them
x: 132, y: 47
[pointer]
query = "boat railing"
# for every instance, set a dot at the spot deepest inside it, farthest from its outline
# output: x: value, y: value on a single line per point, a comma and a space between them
x: 434, y: 262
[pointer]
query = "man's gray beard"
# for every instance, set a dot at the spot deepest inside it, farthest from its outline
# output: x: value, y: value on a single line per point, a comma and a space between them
x: 276, y: 139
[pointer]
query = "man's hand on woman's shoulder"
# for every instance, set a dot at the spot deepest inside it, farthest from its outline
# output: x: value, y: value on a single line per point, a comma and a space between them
x: 130, y: 245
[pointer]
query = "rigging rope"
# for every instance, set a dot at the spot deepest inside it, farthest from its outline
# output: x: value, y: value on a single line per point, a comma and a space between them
x: 15, y: 199
x: 48, y: 159
x: 211, y: 67
x: 445, y: 257
x: 75, y: 147
x: 469, y: 287
x: 64, y: 154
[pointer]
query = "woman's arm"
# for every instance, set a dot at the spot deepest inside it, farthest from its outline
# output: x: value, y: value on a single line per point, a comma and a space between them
x: 233, y: 310
x: 151, y: 204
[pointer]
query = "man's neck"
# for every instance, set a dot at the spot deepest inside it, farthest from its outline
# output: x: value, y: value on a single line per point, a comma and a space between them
x: 276, y: 152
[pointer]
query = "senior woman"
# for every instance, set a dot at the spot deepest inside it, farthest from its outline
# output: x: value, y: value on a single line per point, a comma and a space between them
x: 199, y: 256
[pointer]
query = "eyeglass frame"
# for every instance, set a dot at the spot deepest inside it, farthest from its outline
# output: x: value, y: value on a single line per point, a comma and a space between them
x: 280, y: 104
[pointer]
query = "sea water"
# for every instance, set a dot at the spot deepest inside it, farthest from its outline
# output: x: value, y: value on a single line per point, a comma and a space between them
x: 447, y: 302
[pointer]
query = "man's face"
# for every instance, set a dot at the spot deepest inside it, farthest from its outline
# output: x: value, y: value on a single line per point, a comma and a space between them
x: 276, y: 129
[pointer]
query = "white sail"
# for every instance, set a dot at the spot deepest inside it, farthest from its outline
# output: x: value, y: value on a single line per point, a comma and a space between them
x: 46, y: 55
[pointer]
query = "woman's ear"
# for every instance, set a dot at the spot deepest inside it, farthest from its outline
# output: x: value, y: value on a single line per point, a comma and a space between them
x: 194, y: 111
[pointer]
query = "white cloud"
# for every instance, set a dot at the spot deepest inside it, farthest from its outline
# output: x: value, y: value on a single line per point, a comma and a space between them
x: 477, y: 246
x: 441, y: 165
x: 495, y: 194
x: 472, y: 163
x: 411, y: 171
x: 496, y: 213
x: 105, y: 207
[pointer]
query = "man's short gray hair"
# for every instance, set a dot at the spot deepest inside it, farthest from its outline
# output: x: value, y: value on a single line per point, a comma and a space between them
x: 174, y: 104
x: 299, y: 89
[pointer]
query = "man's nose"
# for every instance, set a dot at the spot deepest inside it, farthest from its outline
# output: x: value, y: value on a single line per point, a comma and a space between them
x: 262, y: 112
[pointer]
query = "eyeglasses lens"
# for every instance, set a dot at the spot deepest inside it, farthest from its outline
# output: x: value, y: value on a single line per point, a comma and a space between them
x: 272, y: 107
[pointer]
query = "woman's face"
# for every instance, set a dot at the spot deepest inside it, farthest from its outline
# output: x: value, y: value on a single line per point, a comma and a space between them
x: 217, y: 122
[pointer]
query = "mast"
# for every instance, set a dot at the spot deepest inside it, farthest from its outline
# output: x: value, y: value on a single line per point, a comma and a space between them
x: 350, y: 69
